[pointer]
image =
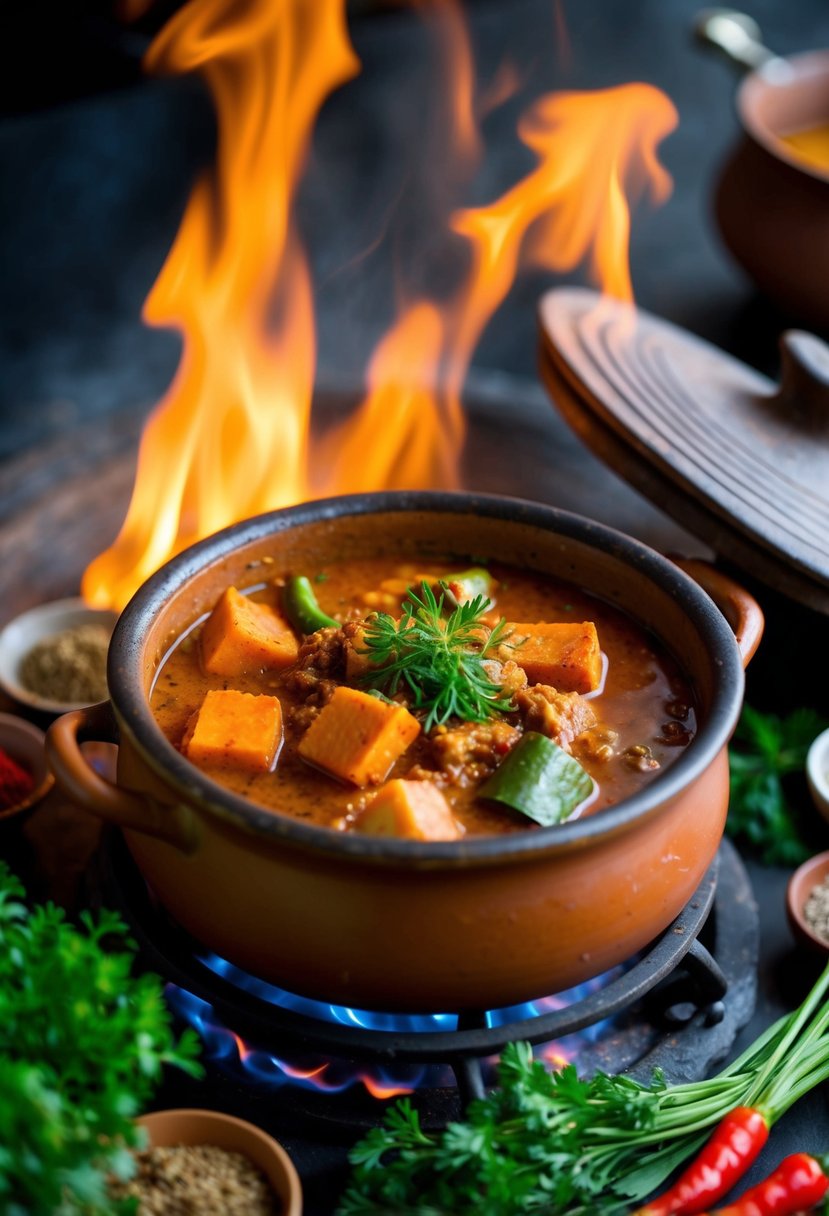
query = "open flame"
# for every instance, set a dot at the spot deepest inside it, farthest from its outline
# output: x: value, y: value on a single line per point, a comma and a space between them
x: 231, y: 438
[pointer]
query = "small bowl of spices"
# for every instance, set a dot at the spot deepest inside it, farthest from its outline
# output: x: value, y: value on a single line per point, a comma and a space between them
x: 807, y: 902
x: 53, y: 657
x: 211, y: 1163
x: 24, y: 775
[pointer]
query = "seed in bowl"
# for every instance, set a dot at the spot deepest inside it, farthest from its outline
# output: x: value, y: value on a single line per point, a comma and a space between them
x: 183, y: 1179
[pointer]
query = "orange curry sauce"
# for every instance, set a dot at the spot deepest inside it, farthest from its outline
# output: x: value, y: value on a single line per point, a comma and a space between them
x: 645, y: 700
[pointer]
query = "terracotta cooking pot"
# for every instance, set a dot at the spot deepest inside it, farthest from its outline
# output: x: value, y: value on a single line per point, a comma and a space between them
x: 395, y: 924
x: 771, y: 206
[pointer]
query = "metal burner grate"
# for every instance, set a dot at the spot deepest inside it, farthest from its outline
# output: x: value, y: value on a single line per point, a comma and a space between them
x: 686, y: 996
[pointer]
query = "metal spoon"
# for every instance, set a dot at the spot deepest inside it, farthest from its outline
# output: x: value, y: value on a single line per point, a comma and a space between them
x: 738, y: 37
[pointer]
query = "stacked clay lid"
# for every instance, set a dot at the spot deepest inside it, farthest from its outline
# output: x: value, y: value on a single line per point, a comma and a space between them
x: 739, y: 461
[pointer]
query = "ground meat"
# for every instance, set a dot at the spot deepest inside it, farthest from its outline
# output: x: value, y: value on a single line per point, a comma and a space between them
x: 322, y: 653
x: 320, y: 666
x: 509, y: 675
x: 560, y: 715
x: 316, y: 692
x: 468, y: 753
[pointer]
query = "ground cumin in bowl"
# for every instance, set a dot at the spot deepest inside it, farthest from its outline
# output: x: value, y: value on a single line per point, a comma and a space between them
x: 211, y: 1164
x: 53, y: 657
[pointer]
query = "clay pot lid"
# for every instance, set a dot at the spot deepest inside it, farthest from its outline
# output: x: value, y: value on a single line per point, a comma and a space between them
x: 741, y: 462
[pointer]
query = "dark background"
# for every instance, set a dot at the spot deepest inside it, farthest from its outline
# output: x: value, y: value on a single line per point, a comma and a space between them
x: 97, y: 162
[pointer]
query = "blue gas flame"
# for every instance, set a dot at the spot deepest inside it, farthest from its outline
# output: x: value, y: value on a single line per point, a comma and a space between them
x: 224, y: 1047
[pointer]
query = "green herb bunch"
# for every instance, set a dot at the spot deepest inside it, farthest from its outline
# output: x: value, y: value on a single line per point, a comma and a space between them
x: 554, y: 1143
x: 438, y: 659
x: 82, y: 1046
x: 765, y: 751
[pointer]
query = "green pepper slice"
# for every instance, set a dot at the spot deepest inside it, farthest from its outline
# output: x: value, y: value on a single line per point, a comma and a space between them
x: 539, y: 779
x: 301, y: 607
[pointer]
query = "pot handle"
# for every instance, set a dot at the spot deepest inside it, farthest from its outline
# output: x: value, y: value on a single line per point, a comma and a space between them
x: 80, y: 782
x: 741, y: 610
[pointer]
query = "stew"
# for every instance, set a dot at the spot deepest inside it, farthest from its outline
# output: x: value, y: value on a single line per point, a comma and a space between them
x: 430, y: 703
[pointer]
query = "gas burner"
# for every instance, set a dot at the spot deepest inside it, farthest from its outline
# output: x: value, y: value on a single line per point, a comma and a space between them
x: 677, y: 1006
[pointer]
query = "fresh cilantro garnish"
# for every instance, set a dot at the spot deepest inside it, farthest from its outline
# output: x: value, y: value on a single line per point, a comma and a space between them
x: 765, y: 750
x: 438, y: 659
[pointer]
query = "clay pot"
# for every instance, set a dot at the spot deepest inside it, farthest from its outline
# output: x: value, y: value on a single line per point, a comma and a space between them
x: 770, y: 206
x: 396, y: 924
x: 169, y: 1128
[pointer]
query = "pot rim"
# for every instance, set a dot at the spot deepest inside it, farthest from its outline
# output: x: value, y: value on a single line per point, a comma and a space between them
x: 759, y: 82
x: 132, y: 709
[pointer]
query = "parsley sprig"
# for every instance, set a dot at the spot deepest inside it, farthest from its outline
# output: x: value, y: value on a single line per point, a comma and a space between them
x: 438, y: 659
x: 765, y: 752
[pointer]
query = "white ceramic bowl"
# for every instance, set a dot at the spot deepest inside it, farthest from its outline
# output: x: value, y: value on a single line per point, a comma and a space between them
x: 25, y: 631
x: 817, y: 772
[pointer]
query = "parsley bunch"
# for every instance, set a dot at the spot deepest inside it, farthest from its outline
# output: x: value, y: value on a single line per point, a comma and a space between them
x: 82, y: 1046
x: 764, y: 752
x: 555, y: 1144
x: 438, y: 659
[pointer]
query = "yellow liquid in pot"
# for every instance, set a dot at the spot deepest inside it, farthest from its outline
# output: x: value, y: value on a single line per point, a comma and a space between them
x: 810, y: 145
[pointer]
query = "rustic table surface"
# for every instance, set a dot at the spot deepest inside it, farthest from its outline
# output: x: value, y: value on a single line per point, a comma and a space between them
x: 97, y: 166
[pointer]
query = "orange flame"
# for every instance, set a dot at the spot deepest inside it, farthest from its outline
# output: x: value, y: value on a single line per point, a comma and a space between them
x: 397, y: 438
x: 231, y: 437
x: 384, y: 1091
x: 595, y: 150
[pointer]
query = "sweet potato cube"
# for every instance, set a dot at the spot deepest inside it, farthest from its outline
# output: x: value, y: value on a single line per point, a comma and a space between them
x: 565, y: 655
x: 357, y: 737
x: 236, y: 730
x: 241, y: 635
x: 414, y: 810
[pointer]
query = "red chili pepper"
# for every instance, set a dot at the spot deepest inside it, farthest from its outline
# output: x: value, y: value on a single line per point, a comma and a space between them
x: 735, y: 1144
x: 798, y: 1183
